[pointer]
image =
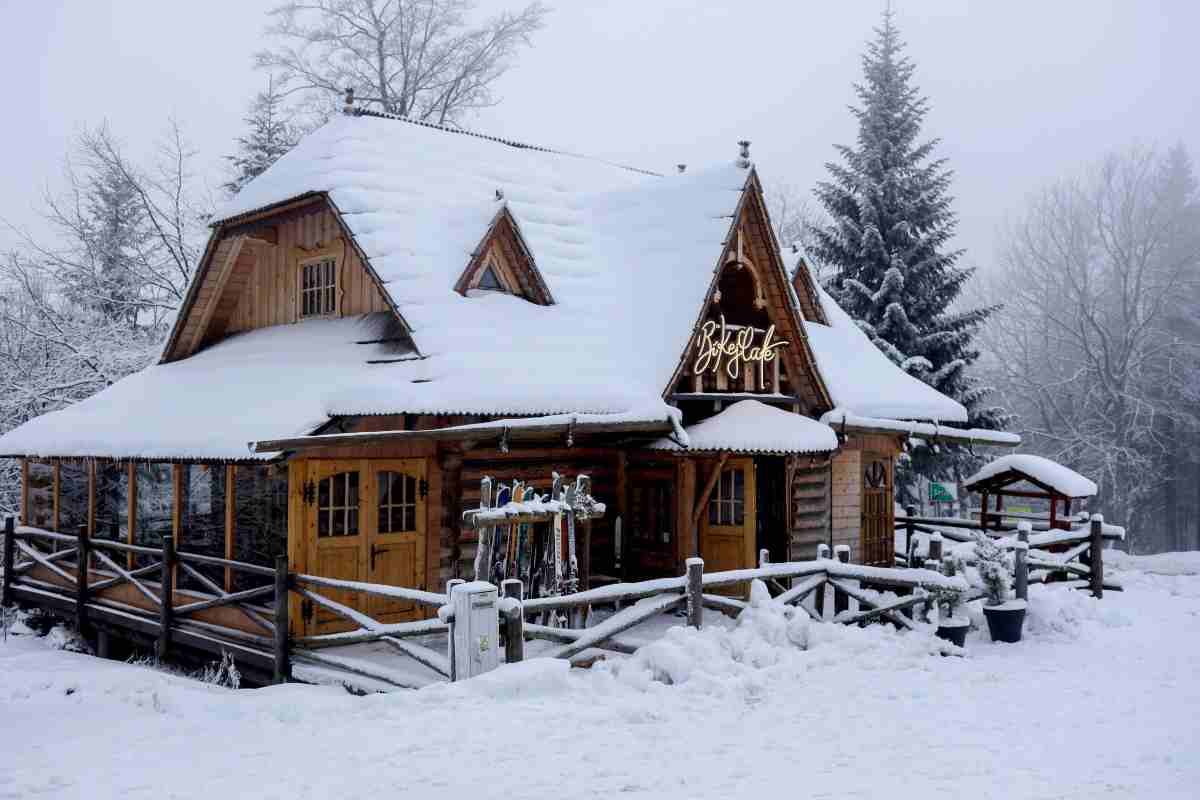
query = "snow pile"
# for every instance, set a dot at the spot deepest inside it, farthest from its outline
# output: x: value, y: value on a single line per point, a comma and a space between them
x: 751, y: 426
x: 770, y: 640
x: 1059, y: 612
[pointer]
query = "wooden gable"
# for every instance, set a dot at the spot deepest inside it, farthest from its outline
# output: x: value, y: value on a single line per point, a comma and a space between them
x: 250, y: 274
x: 503, y: 257
x: 750, y: 290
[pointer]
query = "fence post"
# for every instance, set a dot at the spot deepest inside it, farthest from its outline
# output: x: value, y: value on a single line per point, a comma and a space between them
x: 841, y: 601
x: 935, y: 548
x: 449, y: 619
x: 283, y: 664
x: 1020, y: 563
x: 1096, y: 556
x: 819, y: 595
x: 910, y: 528
x: 167, y: 587
x: 695, y: 592
x: 83, y: 546
x: 514, y: 621
x: 10, y: 527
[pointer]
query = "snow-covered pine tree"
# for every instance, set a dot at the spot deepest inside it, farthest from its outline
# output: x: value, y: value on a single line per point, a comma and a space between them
x: 272, y: 132
x: 887, y: 243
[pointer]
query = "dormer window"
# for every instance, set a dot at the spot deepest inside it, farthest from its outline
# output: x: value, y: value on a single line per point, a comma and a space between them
x: 318, y: 287
x: 489, y: 281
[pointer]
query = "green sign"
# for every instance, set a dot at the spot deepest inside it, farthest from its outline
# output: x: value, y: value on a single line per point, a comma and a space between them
x: 940, y: 492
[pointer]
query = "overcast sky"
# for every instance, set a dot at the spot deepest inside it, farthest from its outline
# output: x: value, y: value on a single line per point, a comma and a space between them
x: 1021, y: 90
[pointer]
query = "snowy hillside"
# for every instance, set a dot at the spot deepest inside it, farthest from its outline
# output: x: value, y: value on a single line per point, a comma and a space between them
x: 1099, y: 700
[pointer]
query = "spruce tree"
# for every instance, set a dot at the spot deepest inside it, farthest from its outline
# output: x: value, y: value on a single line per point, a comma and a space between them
x: 888, y: 245
x: 272, y: 132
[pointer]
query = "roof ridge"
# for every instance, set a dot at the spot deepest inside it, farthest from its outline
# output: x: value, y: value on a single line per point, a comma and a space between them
x: 365, y: 112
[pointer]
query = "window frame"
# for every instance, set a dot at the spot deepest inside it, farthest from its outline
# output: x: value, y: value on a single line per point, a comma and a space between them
x: 302, y: 267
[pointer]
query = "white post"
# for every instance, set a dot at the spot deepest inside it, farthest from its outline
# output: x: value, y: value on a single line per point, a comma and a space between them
x: 476, y: 629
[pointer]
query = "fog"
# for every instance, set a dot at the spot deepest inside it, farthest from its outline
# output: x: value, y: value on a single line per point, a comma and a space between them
x: 1021, y: 91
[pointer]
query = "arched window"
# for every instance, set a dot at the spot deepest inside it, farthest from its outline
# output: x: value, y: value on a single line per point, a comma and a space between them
x: 337, y: 505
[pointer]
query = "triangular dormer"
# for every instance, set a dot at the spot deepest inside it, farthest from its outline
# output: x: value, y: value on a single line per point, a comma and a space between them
x: 749, y: 339
x: 502, y: 263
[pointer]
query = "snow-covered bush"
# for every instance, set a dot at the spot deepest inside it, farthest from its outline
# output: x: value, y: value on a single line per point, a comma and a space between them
x: 995, y: 570
x: 225, y: 673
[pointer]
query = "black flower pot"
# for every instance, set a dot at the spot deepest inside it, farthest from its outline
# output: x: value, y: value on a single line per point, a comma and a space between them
x: 1005, y: 621
x: 954, y: 634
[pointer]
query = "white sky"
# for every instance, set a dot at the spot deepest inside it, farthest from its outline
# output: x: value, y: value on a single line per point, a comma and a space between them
x: 1022, y: 90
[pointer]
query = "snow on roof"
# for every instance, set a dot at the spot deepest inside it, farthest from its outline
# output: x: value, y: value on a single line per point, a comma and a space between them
x: 864, y: 381
x: 628, y: 257
x: 1050, y: 473
x: 920, y: 430
x: 750, y: 426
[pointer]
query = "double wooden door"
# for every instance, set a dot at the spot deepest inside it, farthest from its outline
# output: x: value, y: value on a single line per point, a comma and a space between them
x: 728, y: 527
x: 365, y: 521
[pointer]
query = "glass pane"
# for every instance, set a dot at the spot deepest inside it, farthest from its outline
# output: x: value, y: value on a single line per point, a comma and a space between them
x: 203, y: 520
x: 739, y: 485
x: 112, y: 502
x: 323, y: 493
x: 155, y: 499
x: 352, y: 522
x: 410, y: 489
x: 410, y: 518
x: 72, y: 496
x: 261, y: 502
x: 339, y: 490
x: 739, y: 513
x: 40, y: 495
x: 339, y: 522
x: 352, y: 481
x: 714, y: 511
x: 323, y: 528
x: 384, y: 481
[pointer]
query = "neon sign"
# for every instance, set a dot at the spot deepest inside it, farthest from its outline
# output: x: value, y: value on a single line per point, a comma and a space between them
x: 719, y: 346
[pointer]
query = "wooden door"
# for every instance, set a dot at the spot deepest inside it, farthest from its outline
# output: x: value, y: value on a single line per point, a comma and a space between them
x: 336, y: 535
x: 878, y: 532
x: 727, y: 537
x: 396, y: 534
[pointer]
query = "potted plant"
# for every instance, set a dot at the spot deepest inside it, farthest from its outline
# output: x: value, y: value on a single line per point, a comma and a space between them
x: 1005, y: 617
x: 951, y: 625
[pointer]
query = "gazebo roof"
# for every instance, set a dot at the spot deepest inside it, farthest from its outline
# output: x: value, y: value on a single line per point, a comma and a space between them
x: 1050, y: 476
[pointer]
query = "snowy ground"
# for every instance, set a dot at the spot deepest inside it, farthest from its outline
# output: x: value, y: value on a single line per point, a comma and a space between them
x: 1100, y: 700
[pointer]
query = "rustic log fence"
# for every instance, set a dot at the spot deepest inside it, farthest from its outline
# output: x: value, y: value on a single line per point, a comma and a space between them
x: 77, y: 578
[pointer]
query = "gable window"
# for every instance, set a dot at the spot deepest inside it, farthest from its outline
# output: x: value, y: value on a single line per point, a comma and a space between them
x: 318, y: 287
x: 489, y: 281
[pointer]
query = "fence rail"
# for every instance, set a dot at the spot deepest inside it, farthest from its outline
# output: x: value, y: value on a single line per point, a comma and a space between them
x: 79, y: 578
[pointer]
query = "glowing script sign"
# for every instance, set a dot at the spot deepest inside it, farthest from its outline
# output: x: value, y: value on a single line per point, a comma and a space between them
x: 719, y: 346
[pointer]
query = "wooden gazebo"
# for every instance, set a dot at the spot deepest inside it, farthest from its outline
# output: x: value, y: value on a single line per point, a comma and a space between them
x: 1029, y: 476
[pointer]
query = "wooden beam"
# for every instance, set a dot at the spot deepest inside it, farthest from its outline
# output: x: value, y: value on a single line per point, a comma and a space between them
x: 230, y: 521
x: 131, y: 509
x: 224, y: 271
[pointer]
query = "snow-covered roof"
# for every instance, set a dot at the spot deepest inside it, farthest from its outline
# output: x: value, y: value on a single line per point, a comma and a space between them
x: 751, y: 426
x: 628, y: 257
x: 1061, y: 479
x: 862, y: 380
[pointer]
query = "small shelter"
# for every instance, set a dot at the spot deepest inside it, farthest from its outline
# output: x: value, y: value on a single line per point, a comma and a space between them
x: 1025, y: 475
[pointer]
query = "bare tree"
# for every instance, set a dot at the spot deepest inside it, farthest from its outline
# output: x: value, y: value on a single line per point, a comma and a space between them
x: 416, y: 58
x: 794, y: 218
x: 1083, y: 349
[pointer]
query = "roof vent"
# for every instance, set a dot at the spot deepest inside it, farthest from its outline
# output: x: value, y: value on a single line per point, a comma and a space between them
x: 681, y: 167
x: 744, y: 154
x: 349, y: 107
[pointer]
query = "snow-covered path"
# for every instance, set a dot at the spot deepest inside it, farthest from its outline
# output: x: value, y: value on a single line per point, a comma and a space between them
x: 1101, y: 700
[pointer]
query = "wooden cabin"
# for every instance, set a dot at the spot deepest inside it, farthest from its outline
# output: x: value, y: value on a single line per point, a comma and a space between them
x: 395, y: 310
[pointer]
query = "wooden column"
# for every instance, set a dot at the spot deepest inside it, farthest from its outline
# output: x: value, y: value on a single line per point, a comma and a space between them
x: 695, y: 592
x: 167, y: 592
x: 1020, y: 565
x: 231, y: 520
x: 24, y: 510
x: 56, y: 521
x: 131, y: 510
x: 910, y: 528
x: 283, y: 665
x: 687, y: 536
x: 83, y: 557
x: 10, y: 527
x: 1096, y: 554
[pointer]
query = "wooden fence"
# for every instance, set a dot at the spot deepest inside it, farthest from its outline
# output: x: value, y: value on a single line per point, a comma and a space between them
x: 81, y: 578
